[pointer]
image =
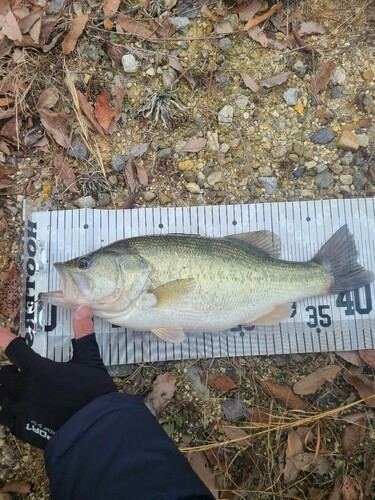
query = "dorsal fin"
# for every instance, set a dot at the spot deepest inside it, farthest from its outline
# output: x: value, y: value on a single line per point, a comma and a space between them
x: 265, y: 241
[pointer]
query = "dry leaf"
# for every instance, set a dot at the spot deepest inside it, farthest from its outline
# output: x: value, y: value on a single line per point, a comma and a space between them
x: 199, y: 464
x: 246, y: 10
x: 175, y: 64
x: 353, y: 436
x: 322, y: 76
x: 103, y: 112
x: 56, y: 124
x: 249, y: 82
x: 26, y: 23
x: 364, y: 385
x: 10, y: 129
x: 70, y: 41
x: 162, y: 27
x: 20, y: 487
x: 134, y: 27
x: 10, y: 283
x: 3, y: 221
x: 236, y: 433
x: 254, y: 22
x: 10, y: 27
x: 115, y: 52
x: 308, y: 462
x: 110, y: 8
x: 311, y: 383
x: 88, y: 111
x: 284, y: 395
x: 208, y: 14
x: 5, y: 101
x: 351, y: 357
x: 223, y: 28
x: 259, y: 36
x: 368, y: 356
x: 276, y: 80
x: 142, y: 175
x: 310, y: 28
x: 6, y: 181
x: 222, y: 384
x: 294, y: 448
x: 129, y: 175
x: 194, y: 145
x: 350, y: 489
x: 129, y: 202
x: 66, y: 173
x: 163, y: 390
x: 169, y: 4
x: 48, y: 98
x: 118, y: 94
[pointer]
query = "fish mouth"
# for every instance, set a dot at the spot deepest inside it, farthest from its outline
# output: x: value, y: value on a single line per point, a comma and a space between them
x: 74, y: 289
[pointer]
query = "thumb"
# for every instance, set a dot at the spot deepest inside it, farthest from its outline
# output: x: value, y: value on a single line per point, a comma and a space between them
x: 6, y: 337
x: 82, y: 321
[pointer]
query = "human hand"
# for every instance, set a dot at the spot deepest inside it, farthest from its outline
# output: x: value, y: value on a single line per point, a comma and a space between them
x: 37, y: 395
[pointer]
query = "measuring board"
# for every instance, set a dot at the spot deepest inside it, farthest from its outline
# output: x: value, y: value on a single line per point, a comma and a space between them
x: 331, y: 323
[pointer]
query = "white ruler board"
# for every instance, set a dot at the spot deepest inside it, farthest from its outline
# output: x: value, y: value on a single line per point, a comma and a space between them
x: 334, y: 323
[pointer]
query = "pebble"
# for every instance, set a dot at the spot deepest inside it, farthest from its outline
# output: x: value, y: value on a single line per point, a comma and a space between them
x: 104, y: 199
x: 213, y: 141
x: 164, y: 153
x: 324, y: 179
x: 359, y: 180
x: 346, y: 179
x: 336, y: 92
x: 85, y: 202
x: 91, y: 52
x: 265, y: 171
x: 225, y: 116
x: 336, y: 168
x: 129, y: 63
x: 194, y: 374
x: 185, y: 165
x: 119, y: 161
x: 321, y: 167
x: 291, y: 96
x: 241, y: 101
x: 347, y: 159
x: 181, y: 23
x: 300, y: 67
x: 297, y: 173
x: 190, y: 176
x: 78, y: 151
x: 348, y: 140
x: 269, y: 184
x: 338, y: 76
x: 323, y: 136
x: 214, y: 177
x: 169, y: 78
x: 225, y: 43
x: 363, y: 140
x: 193, y: 187
x: 164, y: 198
x: 234, y: 409
x: 278, y: 151
x: 224, y: 148
x: 151, y: 72
x: 149, y: 195
x: 310, y: 164
x: 139, y: 150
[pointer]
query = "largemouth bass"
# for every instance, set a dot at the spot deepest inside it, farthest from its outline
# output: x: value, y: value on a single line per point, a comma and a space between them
x: 186, y: 283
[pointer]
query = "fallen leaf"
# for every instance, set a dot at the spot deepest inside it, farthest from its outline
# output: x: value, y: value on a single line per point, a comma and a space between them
x: 142, y: 175
x: 66, y: 173
x: 223, y: 28
x: 175, y: 64
x: 139, y: 150
x: 222, y: 384
x: 10, y: 27
x: 351, y: 357
x: 10, y: 130
x: 56, y: 124
x: 308, y: 462
x: 258, y: 35
x: 353, y: 436
x: 311, y: 383
x: 88, y: 110
x: 70, y: 41
x: 310, y: 28
x: 163, y: 27
x: 208, y: 14
x: 26, y: 23
x: 256, y: 416
x: 350, y: 489
x: 3, y: 221
x: 257, y: 20
x: 364, y: 385
x: 130, y: 25
x: 336, y: 492
x: 246, y: 10
x: 48, y: 98
x: 115, y: 52
x: 284, y: 395
x: 5, y: 101
x: 368, y: 356
x: 169, y: 4
x: 129, y: 202
x: 294, y: 448
x: 200, y: 466
x: 110, y: 8
x: 118, y: 94
x: 194, y: 145
x: 273, y: 81
x: 6, y: 181
x: 322, y: 76
x: 20, y: 487
x: 10, y: 282
x: 249, y: 82
x: 162, y: 392
x: 236, y: 433
x: 103, y: 112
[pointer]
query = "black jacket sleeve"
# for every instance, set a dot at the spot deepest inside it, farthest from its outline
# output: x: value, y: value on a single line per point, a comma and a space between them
x: 114, y: 448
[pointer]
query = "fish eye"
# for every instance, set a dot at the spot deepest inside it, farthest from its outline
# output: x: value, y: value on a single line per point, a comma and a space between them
x: 84, y: 262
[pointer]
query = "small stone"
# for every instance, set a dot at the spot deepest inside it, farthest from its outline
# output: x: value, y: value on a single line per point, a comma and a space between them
x: 225, y: 115
x: 169, y: 78
x: 265, y: 171
x: 194, y: 374
x: 347, y: 159
x: 104, y: 199
x: 363, y: 140
x: 193, y: 187
x: 2, y: 157
x: 79, y: 151
x: 214, y: 177
x: 224, y: 148
x: 368, y: 75
x: 234, y: 409
x: 310, y: 164
x: 346, y: 179
x: 164, y: 153
x: 164, y: 198
x: 293, y: 157
x: 112, y: 179
x: 129, y: 63
x: 298, y: 148
x: 241, y: 101
x: 181, y: 23
x: 297, y: 173
x: 338, y: 76
x: 278, y: 151
x: 119, y: 162
x: 269, y: 184
x: 348, y: 140
x: 149, y: 195
x: 336, y: 168
x: 213, y: 141
x: 85, y: 202
x: 323, y: 136
x: 299, y: 107
x: 91, y: 52
x: 225, y: 43
x: 324, y: 179
x: 185, y: 165
x: 291, y: 96
x: 139, y: 150
x: 359, y: 180
x: 190, y: 176
x: 300, y: 67
x: 321, y: 167
x: 336, y: 92
x: 151, y: 72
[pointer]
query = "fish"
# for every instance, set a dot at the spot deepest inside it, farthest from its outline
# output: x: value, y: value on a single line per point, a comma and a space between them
x: 176, y: 283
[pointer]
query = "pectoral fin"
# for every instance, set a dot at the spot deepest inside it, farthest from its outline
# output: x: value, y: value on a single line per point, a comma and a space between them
x: 170, y: 333
x: 275, y: 315
x: 173, y: 292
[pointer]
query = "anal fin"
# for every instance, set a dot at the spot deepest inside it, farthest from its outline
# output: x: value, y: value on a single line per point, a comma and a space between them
x: 275, y: 315
x: 169, y: 333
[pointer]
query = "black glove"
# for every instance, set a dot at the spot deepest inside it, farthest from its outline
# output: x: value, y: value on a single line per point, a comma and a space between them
x: 37, y: 395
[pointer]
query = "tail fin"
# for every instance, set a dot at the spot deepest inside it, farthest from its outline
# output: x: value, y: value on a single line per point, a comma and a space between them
x: 339, y: 255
